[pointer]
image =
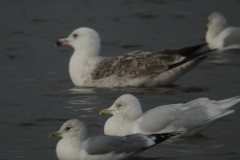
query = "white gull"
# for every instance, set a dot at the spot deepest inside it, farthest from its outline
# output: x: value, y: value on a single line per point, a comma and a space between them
x: 76, y: 145
x: 190, y: 118
x: 219, y: 36
x: 137, y: 68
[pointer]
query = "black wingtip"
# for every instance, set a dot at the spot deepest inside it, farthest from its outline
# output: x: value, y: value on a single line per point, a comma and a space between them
x: 58, y: 43
x: 191, y: 50
x: 201, y: 54
x: 163, y: 136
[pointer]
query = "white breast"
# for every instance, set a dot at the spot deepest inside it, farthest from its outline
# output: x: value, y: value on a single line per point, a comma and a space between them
x: 80, y: 69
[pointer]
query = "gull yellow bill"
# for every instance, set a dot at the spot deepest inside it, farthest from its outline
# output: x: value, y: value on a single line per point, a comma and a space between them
x: 106, y: 111
x: 54, y: 134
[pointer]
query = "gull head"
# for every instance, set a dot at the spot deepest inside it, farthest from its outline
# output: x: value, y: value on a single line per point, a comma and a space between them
x: 82, y: 40
x: 71, y: 128
x: 216, y: 22
x: 127, y: 105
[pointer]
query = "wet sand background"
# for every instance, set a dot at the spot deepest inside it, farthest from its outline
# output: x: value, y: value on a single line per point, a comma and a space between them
x: 37, y: 95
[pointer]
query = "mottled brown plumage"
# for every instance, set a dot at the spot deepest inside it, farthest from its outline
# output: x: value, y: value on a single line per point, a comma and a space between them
x: 135, y: 69
x: 140, y: 63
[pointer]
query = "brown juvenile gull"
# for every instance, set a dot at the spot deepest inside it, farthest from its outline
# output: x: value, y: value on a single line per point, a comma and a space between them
x: 76, y: 145
x: 189, y: 118
x: 137, y: 68
x: 219, y: 36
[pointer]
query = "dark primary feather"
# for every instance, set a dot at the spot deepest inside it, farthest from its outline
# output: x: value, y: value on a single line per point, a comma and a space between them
x: 188, y: 51
x: 140, y: 63
x: 158, y: 138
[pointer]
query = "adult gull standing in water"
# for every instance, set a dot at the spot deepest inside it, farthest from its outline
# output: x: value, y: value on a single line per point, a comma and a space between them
x: 219, y: 36
x: 76, y: 145
x: 188, y: 118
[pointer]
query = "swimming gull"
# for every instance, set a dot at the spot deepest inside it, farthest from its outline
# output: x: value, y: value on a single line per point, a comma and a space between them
x: 190, y: 118
x: 137, y: 68
x: 219, y: 36
x: 75, y: 145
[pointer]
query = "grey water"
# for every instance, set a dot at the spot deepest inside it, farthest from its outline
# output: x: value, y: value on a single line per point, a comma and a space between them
x: 37, y: 95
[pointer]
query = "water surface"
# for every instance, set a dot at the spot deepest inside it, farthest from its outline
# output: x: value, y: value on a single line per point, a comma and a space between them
x: 37, y: 95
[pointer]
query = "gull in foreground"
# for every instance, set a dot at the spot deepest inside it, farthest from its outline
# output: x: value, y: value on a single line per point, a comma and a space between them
x: 190, y: 118
x: 75, y: 145
x: 137, y: 68
x: 219, y: 36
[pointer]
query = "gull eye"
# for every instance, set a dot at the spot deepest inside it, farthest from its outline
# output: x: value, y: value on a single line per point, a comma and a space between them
x: 75, y: 35
x: 119, y: 105
x: 68, y: 128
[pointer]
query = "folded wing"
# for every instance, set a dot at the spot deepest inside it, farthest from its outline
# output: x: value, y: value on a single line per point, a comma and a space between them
x: 140, y: 63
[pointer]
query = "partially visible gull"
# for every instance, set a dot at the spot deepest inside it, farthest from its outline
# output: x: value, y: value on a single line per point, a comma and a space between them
x: 137, y: 68
x: 219, y: 36
x: 190, y: 118
x: 76, y: 145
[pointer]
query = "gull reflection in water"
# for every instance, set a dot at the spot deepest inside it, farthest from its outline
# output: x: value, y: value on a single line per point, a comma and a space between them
x: 83, y: 105
x: 159, y: 89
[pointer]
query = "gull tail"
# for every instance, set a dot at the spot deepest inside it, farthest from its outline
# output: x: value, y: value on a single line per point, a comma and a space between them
x: 192, y: 55
x: 224, y: 105
x: 176, y: 70
x: 220, y: 116
x: 228, y: 103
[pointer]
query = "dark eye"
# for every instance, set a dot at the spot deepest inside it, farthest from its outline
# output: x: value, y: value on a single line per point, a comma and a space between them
x: 75, y: 35
x: 119, y: 105
x: 68, y: 128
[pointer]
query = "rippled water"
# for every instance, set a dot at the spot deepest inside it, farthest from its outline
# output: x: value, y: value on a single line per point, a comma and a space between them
x: 37, y: 95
